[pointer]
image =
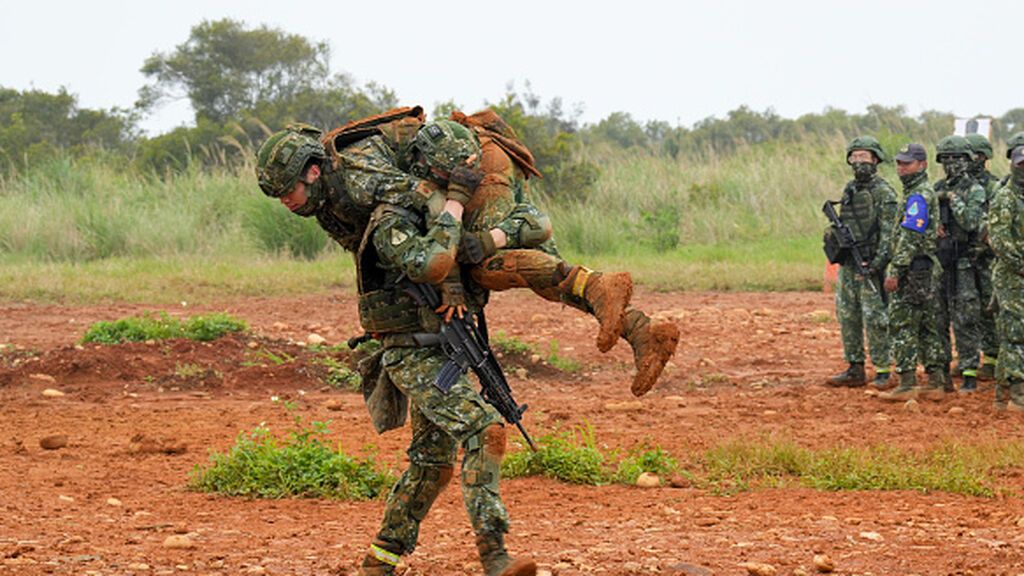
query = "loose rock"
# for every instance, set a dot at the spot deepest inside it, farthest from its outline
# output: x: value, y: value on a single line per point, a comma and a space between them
x: 648, y: 480
x: 178, y: 542
x: 759, y: 569
x: 315, y: 338
x: 956, y: 411
x: 113, y: 502
x: 823, y: 563
x: 912, y: 406
x: 52, y: 393
x: 679, y: 481
x: 43, y: 378
x: 334, y: 405
x: 873, y: 536
x: 53, y: 442
x: 628, y: 406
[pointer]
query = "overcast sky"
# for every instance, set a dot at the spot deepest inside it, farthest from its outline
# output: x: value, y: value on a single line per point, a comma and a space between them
x: 674, y: 61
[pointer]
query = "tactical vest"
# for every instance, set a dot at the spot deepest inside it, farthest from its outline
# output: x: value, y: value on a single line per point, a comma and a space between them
x: 858, y: 210
x: 384, y: 306
x: 956, y: 243
x: 340, y: 217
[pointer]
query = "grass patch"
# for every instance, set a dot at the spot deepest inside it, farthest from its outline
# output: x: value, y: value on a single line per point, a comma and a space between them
x: 502, y: 342
x: 569, y: 457
x: 560, y: 362
x: 161, y: 327
x: 302, y: 465
x: 338, y: 375
x: 646, y: 459
x: 970, y: 469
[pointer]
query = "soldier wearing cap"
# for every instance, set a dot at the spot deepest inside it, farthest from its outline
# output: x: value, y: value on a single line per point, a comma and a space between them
x: 984, y: 258
x: 961, y: 214
x: 912, y: 282
x: 868, y: 207
x: 1006, y: 234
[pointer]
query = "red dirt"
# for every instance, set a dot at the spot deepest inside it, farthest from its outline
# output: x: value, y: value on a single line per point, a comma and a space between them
x: 138, y: 417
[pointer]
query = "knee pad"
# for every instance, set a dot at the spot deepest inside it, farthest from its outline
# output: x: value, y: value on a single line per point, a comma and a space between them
x: 518, y: 269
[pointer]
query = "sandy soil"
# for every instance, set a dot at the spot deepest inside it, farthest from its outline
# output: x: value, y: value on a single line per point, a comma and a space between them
x: 749, y: 365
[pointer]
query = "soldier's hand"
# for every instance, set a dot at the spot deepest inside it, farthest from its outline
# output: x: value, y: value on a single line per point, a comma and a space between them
x: 891, y: 283
x: 462, y: 183
x: 942, y: 231
x: 453, y: 300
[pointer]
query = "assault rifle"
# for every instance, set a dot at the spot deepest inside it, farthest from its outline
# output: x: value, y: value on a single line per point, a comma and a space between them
x: 467, y: 348
x: 847, y: 241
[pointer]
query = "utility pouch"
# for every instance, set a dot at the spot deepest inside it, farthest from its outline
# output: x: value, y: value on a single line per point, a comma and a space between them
x: 834, y: 250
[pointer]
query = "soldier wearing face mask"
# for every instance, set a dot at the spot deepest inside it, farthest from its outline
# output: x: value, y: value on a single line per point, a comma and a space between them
x: 961, y: 214
x: 869, y: 208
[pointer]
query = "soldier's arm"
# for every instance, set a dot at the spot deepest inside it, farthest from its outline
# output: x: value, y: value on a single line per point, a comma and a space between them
x: 887, y: 210
x: 1000, y: 230
x: 969, y: 209
x: 426, y: 257
x: 372, y: 177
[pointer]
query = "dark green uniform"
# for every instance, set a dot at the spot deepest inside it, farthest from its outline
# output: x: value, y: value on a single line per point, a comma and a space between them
x: 984, y: 260
x: 1006, y: 234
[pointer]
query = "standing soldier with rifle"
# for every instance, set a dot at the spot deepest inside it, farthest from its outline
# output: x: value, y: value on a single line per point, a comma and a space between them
x: 961, y: 213
x: 985, y: 257
x: 859, y: 241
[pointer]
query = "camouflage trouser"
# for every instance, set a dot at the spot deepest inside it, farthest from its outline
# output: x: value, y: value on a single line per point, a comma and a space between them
x: 441, y: 422
x: 989, y: 337
x: 1010, y: 372
x: 913, y: 326
x: 859, y: 307
x: 960, y: 305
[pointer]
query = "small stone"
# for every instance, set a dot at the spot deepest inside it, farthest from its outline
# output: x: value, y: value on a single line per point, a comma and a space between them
x: 689, y: 570
x: 535, y: 359
x: 150, y: 342
x: 871, y: 393
x: 43, y: 378
x: 912, y: 406
x: 253, y: 344
x: 677, y: 400
x: 770, y: 412
x: 881, y: 417
x: 538, y: 318
x: 256, y: 570
x: 648, y: 480
x: 758, y: 569
x: 679, y: 481
x: 279, y: 326
x: 52, y: 393
x: 53, y: 442
x: 182, y: 567
x: 315, y: 339
x: 334, y: 405
x: 824, y: 564
x: 543, y: 572
x: 628, y: 406
x: 113, y: 502
x: 800, y: 572
x: 64, y: 498
x: 178, y: 542
x: 521, y: 373
x: 138, y: 566
x: 1020, y: 522
x: 706, y: 521
x: 956, y: 411
x: 873, y: 536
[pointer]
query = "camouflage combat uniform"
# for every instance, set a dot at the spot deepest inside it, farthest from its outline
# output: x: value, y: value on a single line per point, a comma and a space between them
x: 985, y: 259
x: 1006, y: 234
x: 962, y: 211
x: 869, y: 208
x: 913, y: 309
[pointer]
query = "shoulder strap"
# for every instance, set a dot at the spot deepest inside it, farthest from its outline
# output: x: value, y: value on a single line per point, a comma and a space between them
x: 356, y: 130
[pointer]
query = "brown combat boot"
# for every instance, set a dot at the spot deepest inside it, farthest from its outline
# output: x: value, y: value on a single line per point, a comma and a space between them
x: 606, y: 294
x: 906, y: 390
x: 987, y: 371
x: 653, y: 345
x: 936, y: 388
x: 853, y: 376
x: 380, y: 560
x: 495, y: 558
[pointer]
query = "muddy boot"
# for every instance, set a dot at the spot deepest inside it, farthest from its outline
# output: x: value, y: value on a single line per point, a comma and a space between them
x: 988, y: 369
x: 606, y: 295
x: 380, y: 560
x: 906, y: 390
x: 853, y: 376
x: 495, y: 558
x: 970, y: 385
x: 653, y: 345
x: 938, y: 380
x: 882, y: 380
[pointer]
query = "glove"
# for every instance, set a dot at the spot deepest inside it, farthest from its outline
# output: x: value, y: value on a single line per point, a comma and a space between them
x: 462, y: 183
x: 453, y: 297
x: 476, y: 247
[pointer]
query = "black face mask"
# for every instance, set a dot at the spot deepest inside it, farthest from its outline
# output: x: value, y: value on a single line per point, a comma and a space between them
x: 1017, y: 175
x: 864, y: 171
x: 955, y: 167
x: 909, y: 179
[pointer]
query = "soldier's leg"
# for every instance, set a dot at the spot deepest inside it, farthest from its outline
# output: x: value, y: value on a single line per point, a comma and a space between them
x: 943, y: 319
x: 1011, y: 353
x: 966, y: 316
x: 432, y: 455
x: 876, y: 321
x: 933, y: 351
x: 989, y: 336
x: 850, y: 313
x: 904, y: 327
x: 603, y: 295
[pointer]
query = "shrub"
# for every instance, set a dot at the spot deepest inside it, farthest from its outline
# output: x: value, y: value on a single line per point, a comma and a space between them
x: 161, y: 327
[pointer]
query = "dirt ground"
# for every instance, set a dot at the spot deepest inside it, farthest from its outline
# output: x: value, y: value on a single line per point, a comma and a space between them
x: 139, y: 417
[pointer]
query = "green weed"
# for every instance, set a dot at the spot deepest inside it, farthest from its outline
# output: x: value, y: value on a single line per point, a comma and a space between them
x: 339, y: 376
x: 302, y: 465
x: 161, y: 327
x: 502, y: 342
x: 654, y: 460
x: 560, y: 362
x: 569, y: 457
x: 188, y: 370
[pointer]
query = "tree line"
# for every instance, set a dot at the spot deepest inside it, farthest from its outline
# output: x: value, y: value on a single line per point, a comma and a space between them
x: 244, y: 82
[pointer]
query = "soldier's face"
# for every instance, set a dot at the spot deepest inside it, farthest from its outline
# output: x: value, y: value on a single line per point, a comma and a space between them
x: 861, y: 156
x: 908, y: 168
x: 299, y: 194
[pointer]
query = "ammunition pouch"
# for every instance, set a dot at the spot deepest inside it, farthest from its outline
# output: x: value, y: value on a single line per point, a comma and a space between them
x: 391, y: 310
x: 834, y: 250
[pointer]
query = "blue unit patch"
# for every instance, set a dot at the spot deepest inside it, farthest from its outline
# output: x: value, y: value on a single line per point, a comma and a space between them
x: 916, y: 216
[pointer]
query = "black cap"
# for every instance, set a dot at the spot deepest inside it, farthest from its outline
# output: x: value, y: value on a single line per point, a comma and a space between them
x: 1017, y: 156
x: 911, y: 152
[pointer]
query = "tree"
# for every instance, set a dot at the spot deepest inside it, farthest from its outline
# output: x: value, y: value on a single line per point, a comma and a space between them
x: 224, y: 68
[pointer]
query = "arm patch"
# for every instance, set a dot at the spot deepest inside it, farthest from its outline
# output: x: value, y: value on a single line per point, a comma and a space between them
x: 916, y: 215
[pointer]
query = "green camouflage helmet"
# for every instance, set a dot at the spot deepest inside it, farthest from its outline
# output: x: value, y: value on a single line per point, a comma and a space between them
x: 1014, y: 141
x: 280, y: 160
x: 980, y: 145
x: 868, y: 143
x: 443, y: 145
x: 953, y: 146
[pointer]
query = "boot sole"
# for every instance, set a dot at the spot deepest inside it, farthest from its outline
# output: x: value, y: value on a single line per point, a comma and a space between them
x: 664, y: 341
x: 618, y: 288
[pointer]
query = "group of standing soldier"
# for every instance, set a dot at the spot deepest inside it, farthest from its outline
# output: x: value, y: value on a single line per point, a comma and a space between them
x: 938, y: 260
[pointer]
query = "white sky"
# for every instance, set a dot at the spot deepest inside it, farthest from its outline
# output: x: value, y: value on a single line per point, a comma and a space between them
x: 678, y: 62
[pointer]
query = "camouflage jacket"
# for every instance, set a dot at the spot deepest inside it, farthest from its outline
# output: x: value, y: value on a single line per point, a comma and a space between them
x: 1006, y: 229
x: 869, y: 209
x: 962, y: 209
x: 916, y: 234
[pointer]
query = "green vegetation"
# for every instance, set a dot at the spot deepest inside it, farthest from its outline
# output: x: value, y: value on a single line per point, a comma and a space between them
x: 161, y: 327
x: 949, y: 467
x: 303, y: 465
x: 338, y: 375
x: 645, y: 459
x: 569, y: 457
x: 502, y: 342
x: 560, y: 362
